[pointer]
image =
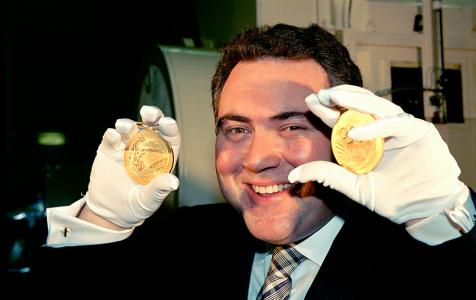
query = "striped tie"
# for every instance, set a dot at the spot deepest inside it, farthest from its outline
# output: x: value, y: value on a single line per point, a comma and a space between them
x: 278, y: 282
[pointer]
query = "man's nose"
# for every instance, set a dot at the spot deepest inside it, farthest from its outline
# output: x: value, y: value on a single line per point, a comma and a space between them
x: 264, y: 152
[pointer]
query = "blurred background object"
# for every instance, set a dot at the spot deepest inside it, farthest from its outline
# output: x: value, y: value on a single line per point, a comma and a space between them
x: 178, y: 81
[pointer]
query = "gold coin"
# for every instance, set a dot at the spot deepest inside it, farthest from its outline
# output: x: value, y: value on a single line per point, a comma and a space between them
x: 147, y: 155
x: 359, y: 157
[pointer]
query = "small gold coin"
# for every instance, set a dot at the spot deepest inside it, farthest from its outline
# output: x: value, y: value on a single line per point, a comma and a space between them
x: 359, y: 157
x: 147, y: 155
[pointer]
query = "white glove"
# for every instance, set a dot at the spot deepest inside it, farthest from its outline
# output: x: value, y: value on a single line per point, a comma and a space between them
x: 112, y: 193
x: 417, y: 176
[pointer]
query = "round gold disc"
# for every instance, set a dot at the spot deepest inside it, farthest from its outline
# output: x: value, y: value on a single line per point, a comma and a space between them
x: 359, y: 157
x: 147, y: 155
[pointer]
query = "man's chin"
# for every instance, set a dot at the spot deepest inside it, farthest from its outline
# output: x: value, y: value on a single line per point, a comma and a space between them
x: 269, y: 233
x: 272, y: 239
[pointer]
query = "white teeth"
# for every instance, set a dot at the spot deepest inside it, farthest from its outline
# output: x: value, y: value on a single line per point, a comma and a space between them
x: 270, y: 188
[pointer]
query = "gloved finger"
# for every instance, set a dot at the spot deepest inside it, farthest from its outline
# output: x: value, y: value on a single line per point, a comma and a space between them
x: 169, y: 130
x: 111, y: 140
x: 150, y: 115
x: 404, y: 130
x: 334, y: 176
x: 153, y: 194
x: 325, y: 97
x: 127, y: 128
x: 328, y: 115
x: 400, y: 126
x: 360, y: 99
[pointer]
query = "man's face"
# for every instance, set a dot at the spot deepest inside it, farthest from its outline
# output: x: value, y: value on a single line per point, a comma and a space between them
x: 265, y: 130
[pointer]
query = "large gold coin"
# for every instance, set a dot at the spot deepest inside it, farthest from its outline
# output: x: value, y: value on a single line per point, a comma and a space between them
x: 147, y: 155
x: 359, y: 157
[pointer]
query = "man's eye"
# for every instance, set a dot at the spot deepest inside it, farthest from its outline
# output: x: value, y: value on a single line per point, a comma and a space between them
x: 292, y: 128
x: 236, y: 133
x: 236, y: 130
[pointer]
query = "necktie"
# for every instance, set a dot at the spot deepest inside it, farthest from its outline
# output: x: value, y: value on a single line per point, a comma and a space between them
x: 277, y: 285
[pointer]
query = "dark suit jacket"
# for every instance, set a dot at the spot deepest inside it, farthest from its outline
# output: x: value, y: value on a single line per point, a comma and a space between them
x: 206, y: 252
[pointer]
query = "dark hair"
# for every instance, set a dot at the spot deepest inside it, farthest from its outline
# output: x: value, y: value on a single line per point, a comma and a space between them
x: 291, y: 42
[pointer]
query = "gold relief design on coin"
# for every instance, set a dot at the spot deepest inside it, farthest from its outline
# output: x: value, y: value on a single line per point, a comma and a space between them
x: 359, y: 157
x: 147, y: 155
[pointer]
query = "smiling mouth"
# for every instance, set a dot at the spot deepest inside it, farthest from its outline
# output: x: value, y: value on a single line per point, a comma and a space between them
x: 271, y: 188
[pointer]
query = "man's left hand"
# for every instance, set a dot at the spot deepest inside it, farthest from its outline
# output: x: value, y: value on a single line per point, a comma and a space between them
x: 417, y: 176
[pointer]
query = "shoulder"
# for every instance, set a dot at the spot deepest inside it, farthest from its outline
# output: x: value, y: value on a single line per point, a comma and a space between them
x: 193, y: 222
x: 207, y: 214
x: 211, y: 218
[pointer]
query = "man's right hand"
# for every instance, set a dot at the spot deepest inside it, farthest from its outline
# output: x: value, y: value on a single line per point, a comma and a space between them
x: 112, y: 194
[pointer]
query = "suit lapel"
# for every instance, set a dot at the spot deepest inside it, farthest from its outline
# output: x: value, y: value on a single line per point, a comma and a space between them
x: 326, y: 283
x: 349, y: 269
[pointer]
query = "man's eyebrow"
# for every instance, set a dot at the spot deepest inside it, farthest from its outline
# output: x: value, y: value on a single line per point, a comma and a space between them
x: 230, y: 117
x: 289, y: 114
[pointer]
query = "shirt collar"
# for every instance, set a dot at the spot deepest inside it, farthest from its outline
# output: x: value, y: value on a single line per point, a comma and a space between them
x: 316, y: 246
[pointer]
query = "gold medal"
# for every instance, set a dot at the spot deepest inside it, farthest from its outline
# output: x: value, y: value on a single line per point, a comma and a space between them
x: 147, y: 155
x: 359, y: 157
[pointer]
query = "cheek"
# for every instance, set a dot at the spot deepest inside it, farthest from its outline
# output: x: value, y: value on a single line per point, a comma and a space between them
x: 228, y: 165
x: 310, y: 149
x: 228, y: 158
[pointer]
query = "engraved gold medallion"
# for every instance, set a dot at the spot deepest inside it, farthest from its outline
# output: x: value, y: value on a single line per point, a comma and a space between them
x: 359, y: 157
x: 147, y: 155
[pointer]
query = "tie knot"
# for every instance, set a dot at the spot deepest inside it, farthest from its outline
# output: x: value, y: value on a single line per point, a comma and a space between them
x: 285, y: 259
x: 278, y: 283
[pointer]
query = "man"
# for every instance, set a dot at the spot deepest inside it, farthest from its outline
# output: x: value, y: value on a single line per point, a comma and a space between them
x: 405, y: 229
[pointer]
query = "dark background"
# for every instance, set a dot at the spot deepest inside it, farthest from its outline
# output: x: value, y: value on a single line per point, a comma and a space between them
x: 74, y: 67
